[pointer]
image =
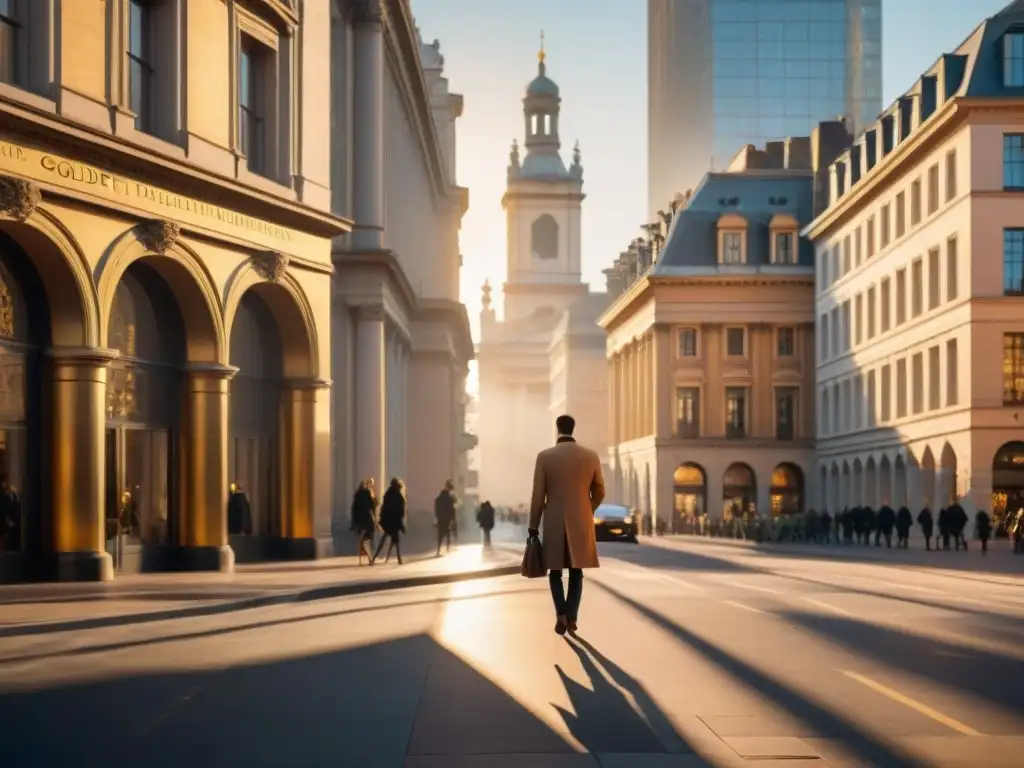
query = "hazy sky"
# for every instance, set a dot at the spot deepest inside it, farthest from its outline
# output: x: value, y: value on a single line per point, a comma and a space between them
x: 596, y: 52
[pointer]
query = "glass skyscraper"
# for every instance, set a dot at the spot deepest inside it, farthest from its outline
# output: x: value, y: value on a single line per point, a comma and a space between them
x: 726, y: 73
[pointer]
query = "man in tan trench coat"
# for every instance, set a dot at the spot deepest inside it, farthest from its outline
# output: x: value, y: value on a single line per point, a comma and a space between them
x: 567, y: 487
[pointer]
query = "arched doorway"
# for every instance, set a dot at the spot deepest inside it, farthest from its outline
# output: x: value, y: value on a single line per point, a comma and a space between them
x: 871, y: 483
x: 927, y: 485
x: 899, y: 483
x: 885, y: 489
x: 144, y: 398
x: 255, y: 396
x: 787, y: 490
x: 689, y: 491
x: 24, y: 332
x: 739, y: 490
x: 1007, y: 483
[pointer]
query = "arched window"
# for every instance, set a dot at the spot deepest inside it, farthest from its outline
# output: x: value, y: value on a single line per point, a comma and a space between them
x: 544, y: 237
x: 690, y: 490
x: 787, y: 489
x: 739, y: 490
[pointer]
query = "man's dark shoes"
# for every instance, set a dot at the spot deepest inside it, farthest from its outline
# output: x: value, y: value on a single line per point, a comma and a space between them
x: 571, y: 626
x: 560, y: 625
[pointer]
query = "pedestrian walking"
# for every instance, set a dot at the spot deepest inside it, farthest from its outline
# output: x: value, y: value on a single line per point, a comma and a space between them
x: 943, y: 525
x: 924, y: 519
x: 568, y: 486
x: 983, y: 529
x: 485, y: 519
x: 445, y: 508
x: 957, y: 521
x: 364, y: 523
x: 239, y: 511
x: 904, y: 522
x: 393, y: 512
x: 885, y: 521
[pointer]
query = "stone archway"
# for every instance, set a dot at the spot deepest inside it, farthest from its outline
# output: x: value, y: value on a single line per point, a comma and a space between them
x: 168, y: 283
x: 739, y: 490
x: 50, y: 365
x: 689, y: 491
x: 844, y: 486
x: 945, y: 483
x: 823, y: 498
x: 787, y: 490
x: 857, y: 484
x: 274, y: 344
x: 885, y: 484
x: 1007, y: 483
x: 927, y: 484
x: 899, y: 478
x: 835, y: 503
x: 871, y: 483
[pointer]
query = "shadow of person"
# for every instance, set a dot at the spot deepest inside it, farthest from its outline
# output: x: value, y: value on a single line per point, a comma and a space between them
x: 610, y: 716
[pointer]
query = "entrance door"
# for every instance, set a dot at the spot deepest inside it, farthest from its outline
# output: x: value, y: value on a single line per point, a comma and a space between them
x: 138, y: 501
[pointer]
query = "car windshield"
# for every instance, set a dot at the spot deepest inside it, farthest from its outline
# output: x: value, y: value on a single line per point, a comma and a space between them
x: 611, y: 511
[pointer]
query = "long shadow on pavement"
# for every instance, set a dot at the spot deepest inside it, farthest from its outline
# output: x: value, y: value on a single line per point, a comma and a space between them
x: 405, y: 703
x: 976, y: 672
x: 829, y: 725
x: 656, y: 557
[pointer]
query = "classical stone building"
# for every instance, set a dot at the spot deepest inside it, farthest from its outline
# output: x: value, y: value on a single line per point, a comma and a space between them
x: 920, y: 283
x: 165, y: 282
x: 533, y: 361
x: 400, y: 341
x: 710, y: 344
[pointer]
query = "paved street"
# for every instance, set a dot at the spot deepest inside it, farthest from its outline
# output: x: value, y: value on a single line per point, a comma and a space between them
x: 691, y: 653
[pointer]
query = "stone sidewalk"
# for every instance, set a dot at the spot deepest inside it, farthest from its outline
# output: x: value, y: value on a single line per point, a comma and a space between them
x: 159, y: 596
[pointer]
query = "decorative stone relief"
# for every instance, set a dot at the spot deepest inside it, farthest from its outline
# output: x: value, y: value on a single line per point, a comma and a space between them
x: 158, y: 235
x: 270, y: 265
x: 18, y: 198
x: 367, y: 11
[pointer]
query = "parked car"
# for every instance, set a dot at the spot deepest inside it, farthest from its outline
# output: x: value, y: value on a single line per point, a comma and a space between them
x: 614, y: 522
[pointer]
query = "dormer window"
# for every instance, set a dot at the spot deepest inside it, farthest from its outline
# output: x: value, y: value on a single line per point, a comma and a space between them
x: 732, y: 239
x: 1013, y: 58
x: 784, y: 230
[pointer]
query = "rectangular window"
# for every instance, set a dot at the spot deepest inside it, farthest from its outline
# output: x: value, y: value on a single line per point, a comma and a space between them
x: 886, y: 300
x: 835, y: 264
x: 688, y: 412
x: 11, y: 34
x: 917, y: 382
x: 933, y: 189
x: 857, y: 254
x: 916, y: 288
x: 886, y: 393
x: 140, y: 64
x: 736, y: 412
x: 871, y: 312
x: 823, y: 341
x: 846, y: 256
x: 901, y: 388
x: 687, y: 342
x: 1013, y: 368
x: 847, y: 326
x: 786, y: 342
x: 253, y: 69
x: 901, y: 214
x: 785, y: 413
x: 785, y: 248
x: 824, y: 426
x: 951, y: 269
x: 934, y: 281
x: 915, y: 202
x: 952, y: 373
x: 1013, y: 59
x: 1013, y: 262
x: 834, y: 342
x: 732, y: 248
x: 934, y: 392
x: 901, y: 296
x: 871, y: 237
x: 1013, y: 161
x: 885, y: 226
x: 872, y: 400
x: 858, y: 320
x: 736, y: 342
x: 950, y: 175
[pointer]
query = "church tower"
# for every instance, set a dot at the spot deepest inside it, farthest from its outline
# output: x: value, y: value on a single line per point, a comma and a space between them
x: 542, y: 205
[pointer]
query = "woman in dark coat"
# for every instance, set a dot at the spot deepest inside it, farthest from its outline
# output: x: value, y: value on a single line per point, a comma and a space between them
x: 983, y: 528
x: 392, y: 519
x: 927, y: 523
x: 364, y: 523
x: 904, y: 522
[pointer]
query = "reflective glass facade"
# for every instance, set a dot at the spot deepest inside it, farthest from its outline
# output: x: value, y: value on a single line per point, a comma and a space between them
x: 769, y: 69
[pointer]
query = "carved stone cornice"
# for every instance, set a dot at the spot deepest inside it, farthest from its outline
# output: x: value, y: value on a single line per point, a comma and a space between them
x: 270, y: 265
x: 158, y: 235
x: 19, y: 198
x: 367, y: 11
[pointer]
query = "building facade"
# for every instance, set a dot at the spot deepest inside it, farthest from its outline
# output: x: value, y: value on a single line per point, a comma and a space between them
x: 726, y: 73
x: 401, y: 343
x: 921, y: 324
x: 525, y: 358
x: 165, y: 274
x: 710, y: 345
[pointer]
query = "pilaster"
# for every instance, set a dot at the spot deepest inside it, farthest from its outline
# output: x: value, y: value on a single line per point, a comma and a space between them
x: 370, y: 375
x: 368, y: 125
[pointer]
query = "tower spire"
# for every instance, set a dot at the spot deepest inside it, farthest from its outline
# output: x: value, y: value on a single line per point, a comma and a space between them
x: 541, y: 55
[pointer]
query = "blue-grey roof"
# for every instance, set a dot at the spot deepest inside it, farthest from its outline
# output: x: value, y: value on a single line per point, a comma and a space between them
x: 543, y: 165
x: 986, y: 76
x: 692, y: 240
x: 542, y: 85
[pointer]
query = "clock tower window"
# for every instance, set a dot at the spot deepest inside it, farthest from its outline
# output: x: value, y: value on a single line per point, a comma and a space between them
x: 544, y: 237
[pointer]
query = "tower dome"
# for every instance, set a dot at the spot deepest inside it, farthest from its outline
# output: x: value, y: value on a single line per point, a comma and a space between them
x: 542, y: 85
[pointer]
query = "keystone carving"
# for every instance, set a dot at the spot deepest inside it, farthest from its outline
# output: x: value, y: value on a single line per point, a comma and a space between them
x: 270, y: 265
x: 18, y: 198
x: 158, y: 236
x: 367, y: 11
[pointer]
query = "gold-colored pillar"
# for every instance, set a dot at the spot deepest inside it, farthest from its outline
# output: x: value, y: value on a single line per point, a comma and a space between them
x: 77, y: 479
x: 202, y: 533
x: 295, y: 519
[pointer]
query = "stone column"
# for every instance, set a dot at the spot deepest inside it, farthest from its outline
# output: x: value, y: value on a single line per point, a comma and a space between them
x: 77, y: 480
x: 371, y: 442
x: 403, y: 409
x: 296, y: 525
x: 202, y: 537
x: 612, y: 398
x: 663, y: 401
x: 368, y: 126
